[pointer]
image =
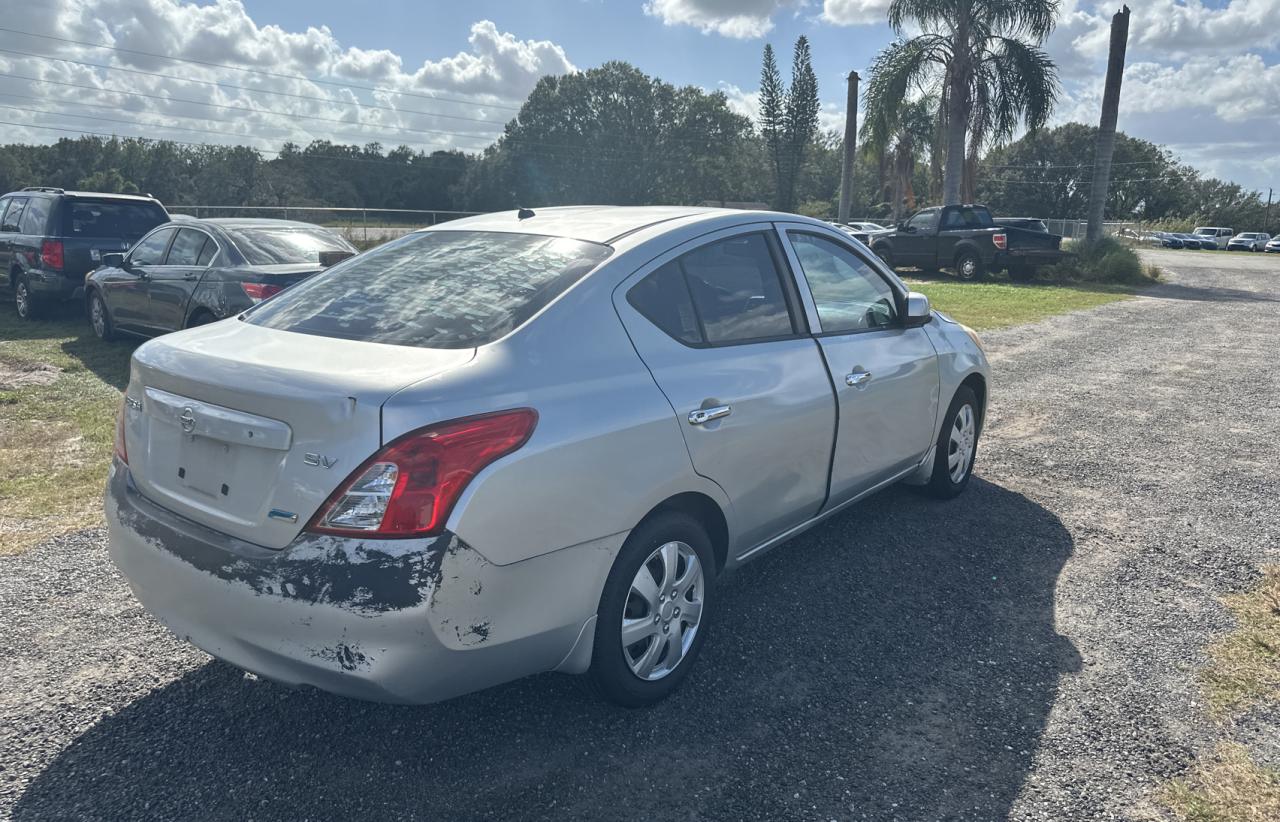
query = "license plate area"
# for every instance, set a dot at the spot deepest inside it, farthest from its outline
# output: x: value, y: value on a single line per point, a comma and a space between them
x: 206, y: 466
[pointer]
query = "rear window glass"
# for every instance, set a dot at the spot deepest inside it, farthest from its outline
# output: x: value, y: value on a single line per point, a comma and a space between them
x: 110, y: 218
x: 439, y: 289
x: 35, y: 218
x: 284, y: 246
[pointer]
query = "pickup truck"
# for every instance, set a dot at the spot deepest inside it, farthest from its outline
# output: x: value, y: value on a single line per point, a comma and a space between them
x: 966, y: 239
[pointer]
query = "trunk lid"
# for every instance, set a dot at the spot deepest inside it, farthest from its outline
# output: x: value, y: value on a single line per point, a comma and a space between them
x: 248, y: 430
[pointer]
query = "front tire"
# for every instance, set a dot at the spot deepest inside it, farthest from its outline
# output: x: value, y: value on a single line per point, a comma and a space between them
x: 99, y: 319
x: 654, y: 611
x: 957, y: 446
x: 969, y: 266
x: 885, y: 254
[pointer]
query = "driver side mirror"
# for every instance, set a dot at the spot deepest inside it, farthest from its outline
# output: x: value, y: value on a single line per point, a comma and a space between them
x: 113, y: 260
x: 918, y: 311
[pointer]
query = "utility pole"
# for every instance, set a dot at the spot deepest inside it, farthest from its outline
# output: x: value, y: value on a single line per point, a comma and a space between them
x: 1266, y: 221
x: 1107, y: 125
x: 850, y: 144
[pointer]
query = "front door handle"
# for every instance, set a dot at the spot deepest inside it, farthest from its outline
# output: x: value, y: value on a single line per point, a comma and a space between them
x: 708, y: 414
x: 857, y: 378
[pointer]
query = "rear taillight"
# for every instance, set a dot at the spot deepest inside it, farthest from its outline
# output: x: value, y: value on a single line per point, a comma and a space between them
x: 122, y: 453
x: 409, y: 487
x: 1001, y: 241
x: 51, y: 254
x: 260, y: 291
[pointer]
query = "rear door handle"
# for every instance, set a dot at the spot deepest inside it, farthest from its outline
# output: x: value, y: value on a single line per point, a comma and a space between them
x: 708, y: 414
x: 857, y: 378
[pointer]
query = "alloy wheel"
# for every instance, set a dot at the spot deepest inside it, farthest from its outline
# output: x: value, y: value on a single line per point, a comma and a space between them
x: 663, y: 611
x: 22, y: 299
x: 960, y: 446
x: 97, y: 316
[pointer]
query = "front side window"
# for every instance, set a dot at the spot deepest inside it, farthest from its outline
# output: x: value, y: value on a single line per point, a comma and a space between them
x: 285, y: 246
x: 187, y: 247
x: 924, y: 221
x: 13, y: 214
x: 849, y: 295
x: 436, y: 289
x: 151, y: 250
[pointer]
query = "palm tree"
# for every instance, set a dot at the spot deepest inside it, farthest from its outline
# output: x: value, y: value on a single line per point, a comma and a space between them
x: 899, y: 138
x: 982, y: 58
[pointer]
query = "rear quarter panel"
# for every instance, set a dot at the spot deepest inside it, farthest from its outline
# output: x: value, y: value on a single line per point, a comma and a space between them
x: 607, y: 447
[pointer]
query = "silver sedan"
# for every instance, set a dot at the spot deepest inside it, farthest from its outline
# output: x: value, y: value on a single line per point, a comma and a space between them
x: 526, y: 442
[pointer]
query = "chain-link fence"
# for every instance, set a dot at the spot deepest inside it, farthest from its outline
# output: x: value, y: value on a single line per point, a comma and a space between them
x: 363, y: 226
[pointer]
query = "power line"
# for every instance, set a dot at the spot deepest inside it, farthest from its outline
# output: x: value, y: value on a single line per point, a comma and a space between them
x: 219, y: 84
x: 262, y: 72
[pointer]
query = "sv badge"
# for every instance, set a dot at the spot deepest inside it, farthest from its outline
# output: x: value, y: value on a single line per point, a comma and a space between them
x: 319, y: 460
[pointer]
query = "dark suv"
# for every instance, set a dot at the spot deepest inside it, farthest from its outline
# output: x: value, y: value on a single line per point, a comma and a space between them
x: 51, y: 238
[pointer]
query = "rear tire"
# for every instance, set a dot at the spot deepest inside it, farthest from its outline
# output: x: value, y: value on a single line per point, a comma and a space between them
x: 957, y: 446
x: 200, y: 318
x: 99, y: 318
x: 28, y: 307
x: 675, y: 547
x: 969, y: 266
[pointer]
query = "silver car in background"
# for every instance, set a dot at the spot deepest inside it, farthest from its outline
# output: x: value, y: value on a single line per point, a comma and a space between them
x: 1249, y: 241
x: 525, y: 442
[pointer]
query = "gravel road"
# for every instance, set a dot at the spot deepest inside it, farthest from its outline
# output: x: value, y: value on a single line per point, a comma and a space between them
x: 1025, y: 651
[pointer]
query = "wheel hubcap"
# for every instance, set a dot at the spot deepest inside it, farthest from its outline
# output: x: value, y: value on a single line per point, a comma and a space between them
x: 95, y: 312
x: 20, y: 297
x: 663, y: 610
x: 964, y: 436
x: 968, y: 267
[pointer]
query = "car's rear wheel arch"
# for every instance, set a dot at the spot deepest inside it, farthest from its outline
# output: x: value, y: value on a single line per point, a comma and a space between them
x: 200, y: 316
x: 708, y: 514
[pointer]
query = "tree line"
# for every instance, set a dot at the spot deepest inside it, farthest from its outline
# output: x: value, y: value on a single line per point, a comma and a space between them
x: 616, y: 135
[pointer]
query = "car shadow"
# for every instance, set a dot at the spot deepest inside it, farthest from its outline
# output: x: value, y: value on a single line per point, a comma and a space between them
x: 899, y: 660
x: 1208, y: 293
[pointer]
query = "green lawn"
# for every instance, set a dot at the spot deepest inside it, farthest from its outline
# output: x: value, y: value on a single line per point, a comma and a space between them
x: 59, y: 425
x: 998, y: 304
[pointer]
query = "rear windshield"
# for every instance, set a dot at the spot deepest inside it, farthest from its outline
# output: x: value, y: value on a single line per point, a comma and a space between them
x: 439, y: 289
x: 285, y: 245
x: 110, y: 218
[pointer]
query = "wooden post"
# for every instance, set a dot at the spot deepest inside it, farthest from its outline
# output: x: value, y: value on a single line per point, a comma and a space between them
x: 1107, y: 125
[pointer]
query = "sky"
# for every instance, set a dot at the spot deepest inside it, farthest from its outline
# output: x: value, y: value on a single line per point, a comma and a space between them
x: 1202, y: 79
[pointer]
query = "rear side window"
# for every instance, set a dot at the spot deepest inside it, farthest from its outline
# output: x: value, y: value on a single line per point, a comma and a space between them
x: 36, y: 218
x: 207, y: 253
x: 438, y: 289
x: 732, y: 293
x: 284, y: 246
x: 13, y: 214
x: 110, y: 218
x: 187, y: 247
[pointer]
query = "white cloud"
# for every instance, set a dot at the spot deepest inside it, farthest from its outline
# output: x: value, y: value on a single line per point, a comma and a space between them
x: 854, y: 12
x: 494, y: 73
x: 739, y: 19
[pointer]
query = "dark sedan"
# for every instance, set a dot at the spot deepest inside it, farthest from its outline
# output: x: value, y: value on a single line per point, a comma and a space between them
x: 191, y: 272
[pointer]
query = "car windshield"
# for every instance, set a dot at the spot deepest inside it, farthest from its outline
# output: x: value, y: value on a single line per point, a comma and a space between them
x: 437, y: 289
x: 129, y: 219
x: 285, y: 245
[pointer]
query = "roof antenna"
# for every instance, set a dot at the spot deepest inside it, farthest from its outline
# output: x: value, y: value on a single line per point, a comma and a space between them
x: 525, y: 213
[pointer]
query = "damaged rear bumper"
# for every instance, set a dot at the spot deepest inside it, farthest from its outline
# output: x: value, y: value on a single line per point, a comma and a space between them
x: 387, y: 620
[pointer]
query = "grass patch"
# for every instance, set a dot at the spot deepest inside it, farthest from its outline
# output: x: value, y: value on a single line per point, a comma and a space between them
x: 1244, y: 665
x: 987, y: 305
x: 59, y: 394
x: 1107, y: 260
x: 1229, y: 787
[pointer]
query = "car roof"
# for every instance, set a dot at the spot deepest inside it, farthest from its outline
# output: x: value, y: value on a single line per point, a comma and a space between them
x: 597, y: 224
x: 96, y: 195
x: 253, y: 222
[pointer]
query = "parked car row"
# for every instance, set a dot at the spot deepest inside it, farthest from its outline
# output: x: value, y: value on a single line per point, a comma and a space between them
x: 141, y: 271
x: 1211, y: 238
